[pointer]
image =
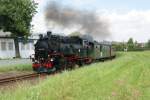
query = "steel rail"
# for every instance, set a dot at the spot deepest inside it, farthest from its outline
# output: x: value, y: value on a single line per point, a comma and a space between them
x: 17, y: 78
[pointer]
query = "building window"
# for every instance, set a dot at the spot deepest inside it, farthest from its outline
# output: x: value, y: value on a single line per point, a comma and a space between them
x: 10, y: 46
x: 22, y: 46
x: 3, y: 46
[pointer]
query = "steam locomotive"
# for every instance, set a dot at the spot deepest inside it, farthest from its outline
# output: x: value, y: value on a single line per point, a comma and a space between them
x: 54, y: 52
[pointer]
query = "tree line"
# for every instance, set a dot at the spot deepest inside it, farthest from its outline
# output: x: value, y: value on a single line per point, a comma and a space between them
x: 131, y: 45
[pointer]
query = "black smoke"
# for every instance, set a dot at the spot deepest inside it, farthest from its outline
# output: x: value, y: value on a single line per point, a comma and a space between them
x: 68, y: 17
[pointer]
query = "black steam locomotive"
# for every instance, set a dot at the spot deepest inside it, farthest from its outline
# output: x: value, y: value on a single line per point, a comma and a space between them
x: 54, y: 52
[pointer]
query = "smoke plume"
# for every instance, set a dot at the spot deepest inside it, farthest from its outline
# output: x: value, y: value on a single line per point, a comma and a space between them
x: 68, y: 17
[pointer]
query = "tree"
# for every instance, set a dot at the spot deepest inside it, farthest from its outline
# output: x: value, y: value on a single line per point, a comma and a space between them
x: 119, y: 46
x: 76, y: 33
x: 130, y: 44
x: 16, y: 17
x: 148, y: 44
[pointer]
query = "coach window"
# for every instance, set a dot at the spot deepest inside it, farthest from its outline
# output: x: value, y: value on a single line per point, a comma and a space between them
x: 101, y: 47
x: 3, y: 46
x: 96, y: 46
x: 10, y: 46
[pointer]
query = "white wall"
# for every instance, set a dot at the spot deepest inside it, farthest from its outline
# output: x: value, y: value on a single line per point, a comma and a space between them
x: 7, y: 53
x: 26, y: 50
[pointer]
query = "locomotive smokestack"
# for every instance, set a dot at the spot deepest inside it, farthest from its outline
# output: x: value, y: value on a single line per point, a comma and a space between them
x: 41, y: 36
x: 49, y: 33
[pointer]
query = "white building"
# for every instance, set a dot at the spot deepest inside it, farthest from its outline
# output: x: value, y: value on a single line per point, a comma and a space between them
x: 7, y: 47
x: 26, y: 49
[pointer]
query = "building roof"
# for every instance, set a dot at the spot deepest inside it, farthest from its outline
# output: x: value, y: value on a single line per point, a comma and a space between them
x: 6, y: 37
x: 4, y: 33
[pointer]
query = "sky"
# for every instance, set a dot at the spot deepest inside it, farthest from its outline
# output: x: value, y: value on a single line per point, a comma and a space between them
x: 126, y: 18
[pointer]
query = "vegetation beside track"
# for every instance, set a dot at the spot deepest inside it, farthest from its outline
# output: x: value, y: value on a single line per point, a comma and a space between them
x: 125, y: 78
x: 15, y: 65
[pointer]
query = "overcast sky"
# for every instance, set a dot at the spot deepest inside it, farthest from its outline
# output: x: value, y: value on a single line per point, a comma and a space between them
x: 126, y: 18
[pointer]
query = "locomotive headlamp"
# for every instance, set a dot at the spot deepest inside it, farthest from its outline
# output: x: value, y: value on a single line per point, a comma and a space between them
x: 36, y: 61
x: 52, y: 59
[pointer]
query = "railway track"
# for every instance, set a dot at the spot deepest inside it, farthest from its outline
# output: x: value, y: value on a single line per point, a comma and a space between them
x: 18, y: 78
x: 24, y: 77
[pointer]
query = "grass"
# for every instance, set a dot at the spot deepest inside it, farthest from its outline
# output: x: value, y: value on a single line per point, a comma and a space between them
x: 16, y: 67
x: 125, y: 78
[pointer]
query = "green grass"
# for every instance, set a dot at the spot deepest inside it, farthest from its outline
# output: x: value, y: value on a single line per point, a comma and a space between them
x: 16, y: 67
x: 125, y: 78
